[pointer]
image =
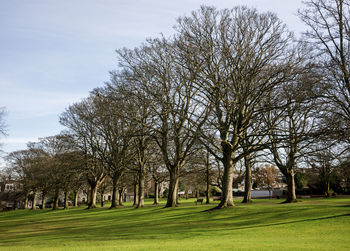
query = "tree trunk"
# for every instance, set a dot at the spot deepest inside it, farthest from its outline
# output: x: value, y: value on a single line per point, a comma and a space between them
x: 66, y: 205
x: 136, y: 194
x: 102, y: 200
x: 142, y: 175
x: 291, y: 197
x: 156, y: 193
x: 227, y: 200
x: 121, y: 196
x: 248, y: 180
x: 26, y: 201
x: 173, y: 187
x: 43, y: 200
x: 76, y: 196
x: 207, y: 180
x: 326, y: 189
x: 55, y: 203
x: 207, y: 192
x: 34, y: 201
x: 115, y: 193
x: 93, y: 194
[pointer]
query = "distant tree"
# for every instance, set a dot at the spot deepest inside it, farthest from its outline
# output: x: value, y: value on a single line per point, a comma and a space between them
x: 81, y: 120
x: 27, y: 166
x: 344, y: 174
x: 294, y: 122
x: 324, y: 164
x: 115, y: 132
x: 266, y: 176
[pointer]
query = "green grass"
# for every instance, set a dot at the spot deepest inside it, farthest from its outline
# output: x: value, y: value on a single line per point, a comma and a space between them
x: 312, y: 224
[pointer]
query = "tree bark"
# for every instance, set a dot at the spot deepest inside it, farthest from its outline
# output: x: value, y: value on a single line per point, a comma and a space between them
x: 227, y: 199
x: 66, y: 205
x: 93, y: 194
x: 76, y: 195
x: 207, y: 192
x: 43, y: 200
x: 291, y: 197
x: 55, y: 203
x: 121, y: 190
x: 102, y: 200
x: 173, y: 187
x: 156, y: 193
x: 141, y: 195
x: 248, y: 180
x: 115, y: 193
x: 34, y: 200
x: 326, y: 189
x: 136, y: 194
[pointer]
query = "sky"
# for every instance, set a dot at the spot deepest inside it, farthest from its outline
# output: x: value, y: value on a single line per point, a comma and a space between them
x: 53, y: 53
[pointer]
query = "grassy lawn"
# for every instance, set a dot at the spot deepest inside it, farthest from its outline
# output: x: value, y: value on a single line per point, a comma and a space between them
x: 312, y: 224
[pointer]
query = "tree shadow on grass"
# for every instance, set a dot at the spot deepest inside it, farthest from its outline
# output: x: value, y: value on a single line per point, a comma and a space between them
x: 291, y: 222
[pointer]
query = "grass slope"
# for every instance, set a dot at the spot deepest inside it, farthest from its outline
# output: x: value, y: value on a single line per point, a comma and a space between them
x: 313, y: 224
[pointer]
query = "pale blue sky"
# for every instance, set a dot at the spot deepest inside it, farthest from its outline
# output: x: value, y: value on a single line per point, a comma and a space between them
x: 52, y: 53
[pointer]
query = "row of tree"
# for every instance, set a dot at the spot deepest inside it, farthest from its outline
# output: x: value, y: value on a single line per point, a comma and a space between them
x: 230, y: 86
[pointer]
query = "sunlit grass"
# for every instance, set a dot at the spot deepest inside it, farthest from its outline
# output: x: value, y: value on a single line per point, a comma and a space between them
x: 312, y: 224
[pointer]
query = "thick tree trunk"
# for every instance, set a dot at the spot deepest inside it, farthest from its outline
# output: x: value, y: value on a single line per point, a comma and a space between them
x: 142, y: 175
x: 43, y: 200
x: 136, y: 194
x: 93, y: 194
x: 55, y: 202
x: 115, y: 193
x: 227, y: 200
x: 248, y: 180
x: 76, y: 196
x: 34, y: 200
x: 173, y: 187
x: 291, y: 197
x: 326, y: 189
x: 66, y: 205
x: 156, y: 193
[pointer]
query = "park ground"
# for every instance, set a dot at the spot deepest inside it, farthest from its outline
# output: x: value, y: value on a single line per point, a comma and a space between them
x: 311, y: 224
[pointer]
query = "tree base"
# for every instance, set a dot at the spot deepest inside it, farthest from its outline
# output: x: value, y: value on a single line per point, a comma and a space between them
x: 290, y: 201
x: 247, y: 201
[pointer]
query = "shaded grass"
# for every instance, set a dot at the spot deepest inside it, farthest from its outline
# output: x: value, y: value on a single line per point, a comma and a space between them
x: 312, y: 224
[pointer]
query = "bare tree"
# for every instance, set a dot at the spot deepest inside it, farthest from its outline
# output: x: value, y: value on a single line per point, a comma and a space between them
x: 81, y: 120
x: 158, y: 69
x: 242, y: 56
x: 294, y: 125
x: 329, y: 34
x: 2, y: 122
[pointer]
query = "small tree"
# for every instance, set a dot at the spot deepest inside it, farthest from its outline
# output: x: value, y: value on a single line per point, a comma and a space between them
x: 266, y: 176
